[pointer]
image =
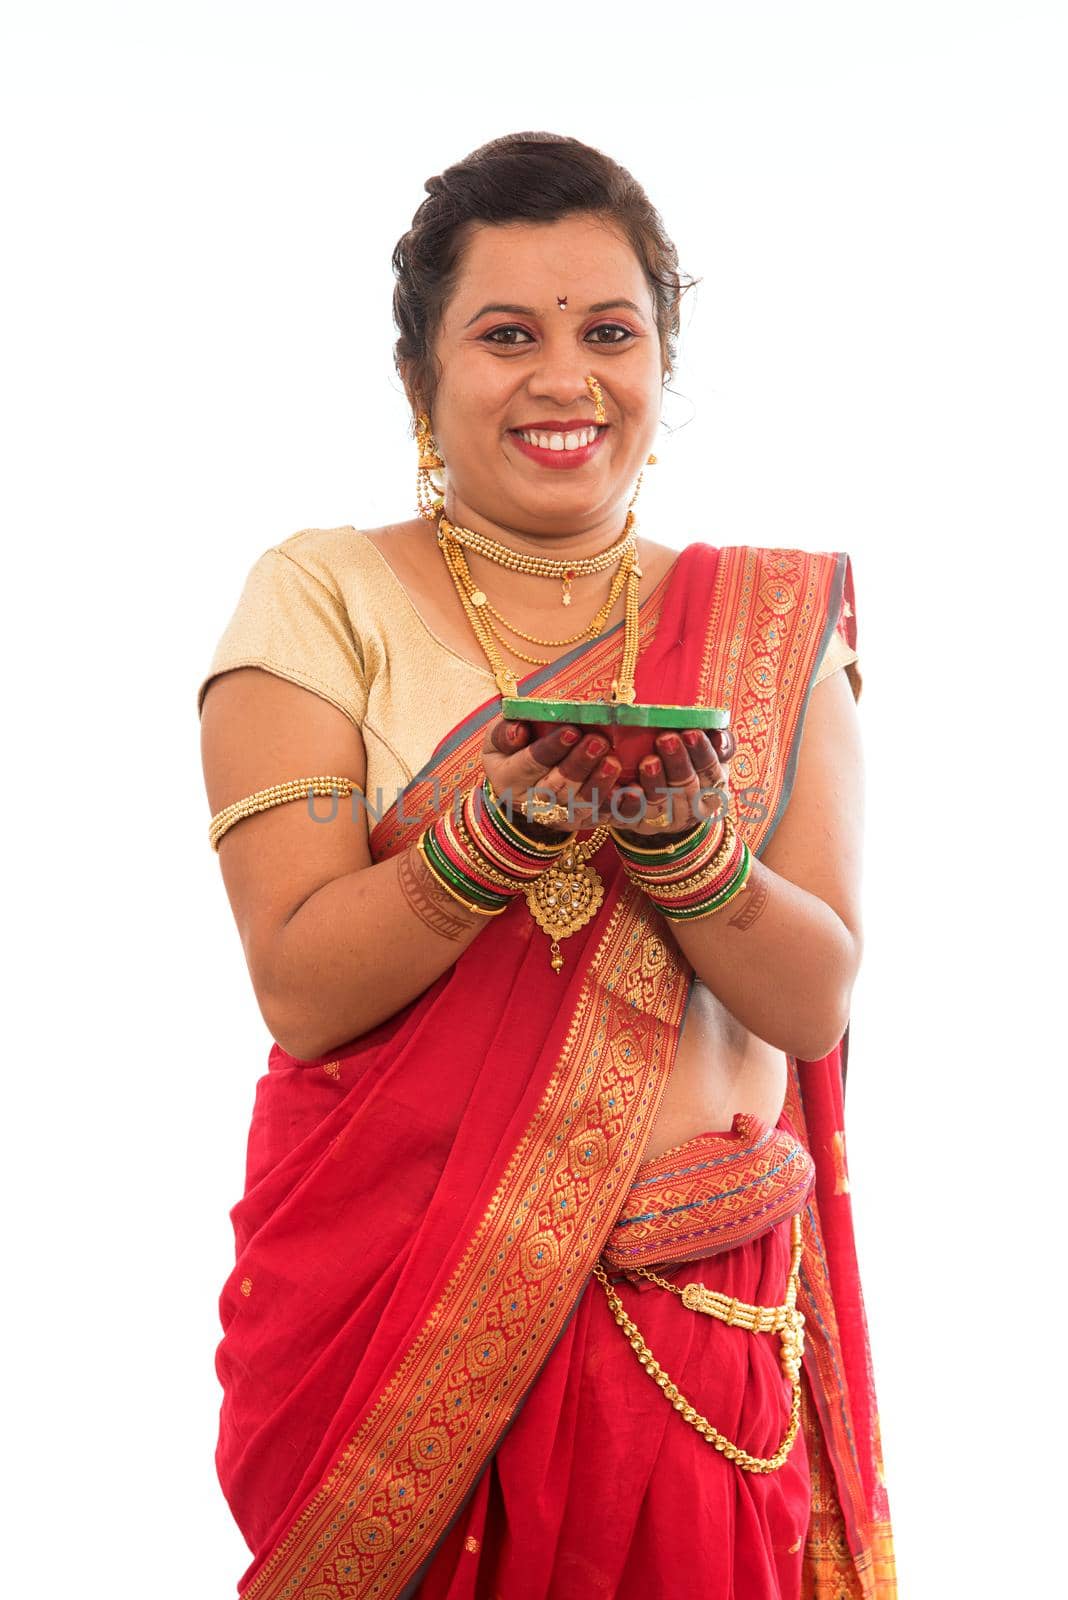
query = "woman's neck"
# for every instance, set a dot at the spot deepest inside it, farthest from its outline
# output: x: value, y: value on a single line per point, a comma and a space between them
x: 557, y: 544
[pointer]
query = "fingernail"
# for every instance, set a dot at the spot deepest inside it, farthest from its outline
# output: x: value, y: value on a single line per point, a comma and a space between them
x: 596, y: 747
x: 610, y: 768
x: 670, y: 744
x: 569, y: 736
x: 651, y: 767
x: 691, y: 738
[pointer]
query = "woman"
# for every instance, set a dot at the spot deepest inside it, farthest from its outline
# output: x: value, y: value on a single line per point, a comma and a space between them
x: 497, y: 1140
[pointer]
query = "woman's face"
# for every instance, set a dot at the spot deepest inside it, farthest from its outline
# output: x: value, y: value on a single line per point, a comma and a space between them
x: 513, y: 360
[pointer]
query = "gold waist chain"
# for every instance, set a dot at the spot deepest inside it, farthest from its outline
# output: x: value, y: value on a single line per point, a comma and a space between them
x: 785, y: 1320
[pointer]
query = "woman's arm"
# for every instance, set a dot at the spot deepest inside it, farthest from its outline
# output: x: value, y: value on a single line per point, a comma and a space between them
x: 784, y: 954
x: 334, y: 942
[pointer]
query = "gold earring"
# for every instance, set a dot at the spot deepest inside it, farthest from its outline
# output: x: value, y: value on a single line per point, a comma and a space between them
x: 600, y: 415
x: 429, y: 498
x: 650, y: 461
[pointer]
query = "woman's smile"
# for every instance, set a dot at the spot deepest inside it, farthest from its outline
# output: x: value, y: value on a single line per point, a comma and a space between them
x: 552, y: 447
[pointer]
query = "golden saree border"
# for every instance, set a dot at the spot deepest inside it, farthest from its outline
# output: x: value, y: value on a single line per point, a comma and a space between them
x: 419, y: 1451
x: 838, y: 1494
x: 773, y: 613
x: 830, y: 1571
x: 712, y: 1193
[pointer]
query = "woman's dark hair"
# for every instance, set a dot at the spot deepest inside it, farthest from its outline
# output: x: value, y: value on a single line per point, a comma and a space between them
x: 524, y: 177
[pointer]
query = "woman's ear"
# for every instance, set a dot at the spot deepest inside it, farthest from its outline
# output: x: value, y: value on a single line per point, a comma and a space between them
x: 407, y: 378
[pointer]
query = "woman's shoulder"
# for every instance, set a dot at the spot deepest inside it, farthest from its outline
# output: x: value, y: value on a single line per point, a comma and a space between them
x: 327, y: 553
x: 339, y: 553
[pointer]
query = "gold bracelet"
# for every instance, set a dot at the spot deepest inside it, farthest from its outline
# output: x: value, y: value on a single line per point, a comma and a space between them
x: 278, y: 794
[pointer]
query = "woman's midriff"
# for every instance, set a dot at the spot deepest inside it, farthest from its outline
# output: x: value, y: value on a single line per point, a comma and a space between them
x: 720, y: 1068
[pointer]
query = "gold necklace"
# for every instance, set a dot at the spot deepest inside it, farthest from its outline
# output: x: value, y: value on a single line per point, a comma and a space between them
x: 479, y: 602
x: 568, y: 894
x: 541, y: 566
x: 475, y: 603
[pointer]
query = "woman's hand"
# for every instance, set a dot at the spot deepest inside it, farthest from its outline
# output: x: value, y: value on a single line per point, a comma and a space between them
x: 564, y: 766
x: 679, y: 785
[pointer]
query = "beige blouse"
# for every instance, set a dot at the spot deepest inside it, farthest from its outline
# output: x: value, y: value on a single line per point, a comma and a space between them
x: 325, y: 610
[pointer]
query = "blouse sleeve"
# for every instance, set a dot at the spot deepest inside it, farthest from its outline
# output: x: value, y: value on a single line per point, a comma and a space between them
x: 840, y: 652
x: 294, y: 624
x: 837, y: 654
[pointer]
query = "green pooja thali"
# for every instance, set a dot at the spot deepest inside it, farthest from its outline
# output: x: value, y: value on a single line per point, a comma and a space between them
x: 630, y: 729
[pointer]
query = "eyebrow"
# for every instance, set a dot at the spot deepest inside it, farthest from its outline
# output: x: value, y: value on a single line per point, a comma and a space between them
x: 528, y: 311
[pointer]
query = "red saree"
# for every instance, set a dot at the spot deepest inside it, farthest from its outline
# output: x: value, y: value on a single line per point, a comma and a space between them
x: 410, y: 1324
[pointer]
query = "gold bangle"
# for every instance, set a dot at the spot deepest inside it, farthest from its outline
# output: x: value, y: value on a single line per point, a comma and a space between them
x: 480, y: 911
x: 682, y: 888
x: 658, y: 852
x: 457, y: 831
x: 721, y: 905
x: 278, y: 794
x: 532, y: 844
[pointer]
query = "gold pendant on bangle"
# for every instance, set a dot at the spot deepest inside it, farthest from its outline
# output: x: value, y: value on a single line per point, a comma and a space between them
x: 564, y: 898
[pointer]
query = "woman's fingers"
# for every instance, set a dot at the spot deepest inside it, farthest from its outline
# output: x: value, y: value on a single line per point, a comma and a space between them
x: 584, y: 777
x: 507, y: 736
x: 700, y: 751
x: 564, y: 763
x: 675, y: 786
x: 629, y: 806
x: 580, y: 770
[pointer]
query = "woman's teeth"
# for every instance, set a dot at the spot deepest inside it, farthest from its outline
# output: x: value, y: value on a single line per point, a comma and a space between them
x: 560, y: 441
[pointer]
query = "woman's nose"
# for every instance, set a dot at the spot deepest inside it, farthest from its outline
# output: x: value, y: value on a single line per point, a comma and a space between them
x: 561, y: 378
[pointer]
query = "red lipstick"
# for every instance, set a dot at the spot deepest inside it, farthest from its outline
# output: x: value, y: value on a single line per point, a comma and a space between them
x: 558, y: 459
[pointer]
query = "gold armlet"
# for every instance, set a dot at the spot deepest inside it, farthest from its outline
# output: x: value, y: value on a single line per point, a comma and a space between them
x: 278, y: 794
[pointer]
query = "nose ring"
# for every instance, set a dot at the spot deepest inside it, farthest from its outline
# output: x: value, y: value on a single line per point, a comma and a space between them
x: 601, y: 415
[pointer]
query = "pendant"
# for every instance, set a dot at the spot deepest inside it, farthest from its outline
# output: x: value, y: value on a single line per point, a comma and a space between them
x: 564, y: 898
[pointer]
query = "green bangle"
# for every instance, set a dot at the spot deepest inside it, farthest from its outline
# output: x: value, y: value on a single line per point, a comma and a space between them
x: 522, y: 841
x: 663, y: 855
x: 444, y: 869
x: 468, y: 905
x: 705, y: 908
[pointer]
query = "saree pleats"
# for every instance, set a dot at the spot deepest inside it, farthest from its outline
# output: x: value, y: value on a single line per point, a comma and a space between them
x: 600, y: 1489
x: 411, y: 1296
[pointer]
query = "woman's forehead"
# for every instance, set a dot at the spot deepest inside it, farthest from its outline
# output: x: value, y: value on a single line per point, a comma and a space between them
x: 534, y: 263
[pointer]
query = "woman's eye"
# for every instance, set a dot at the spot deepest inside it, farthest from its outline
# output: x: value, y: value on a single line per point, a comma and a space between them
x: 611, y: 327
x: 492, y: 338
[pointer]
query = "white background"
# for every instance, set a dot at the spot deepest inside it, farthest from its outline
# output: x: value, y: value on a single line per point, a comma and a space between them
x: 199, y: 204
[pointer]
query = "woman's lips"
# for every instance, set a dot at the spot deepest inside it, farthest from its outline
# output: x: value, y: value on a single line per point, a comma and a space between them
x: 558, y: 458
